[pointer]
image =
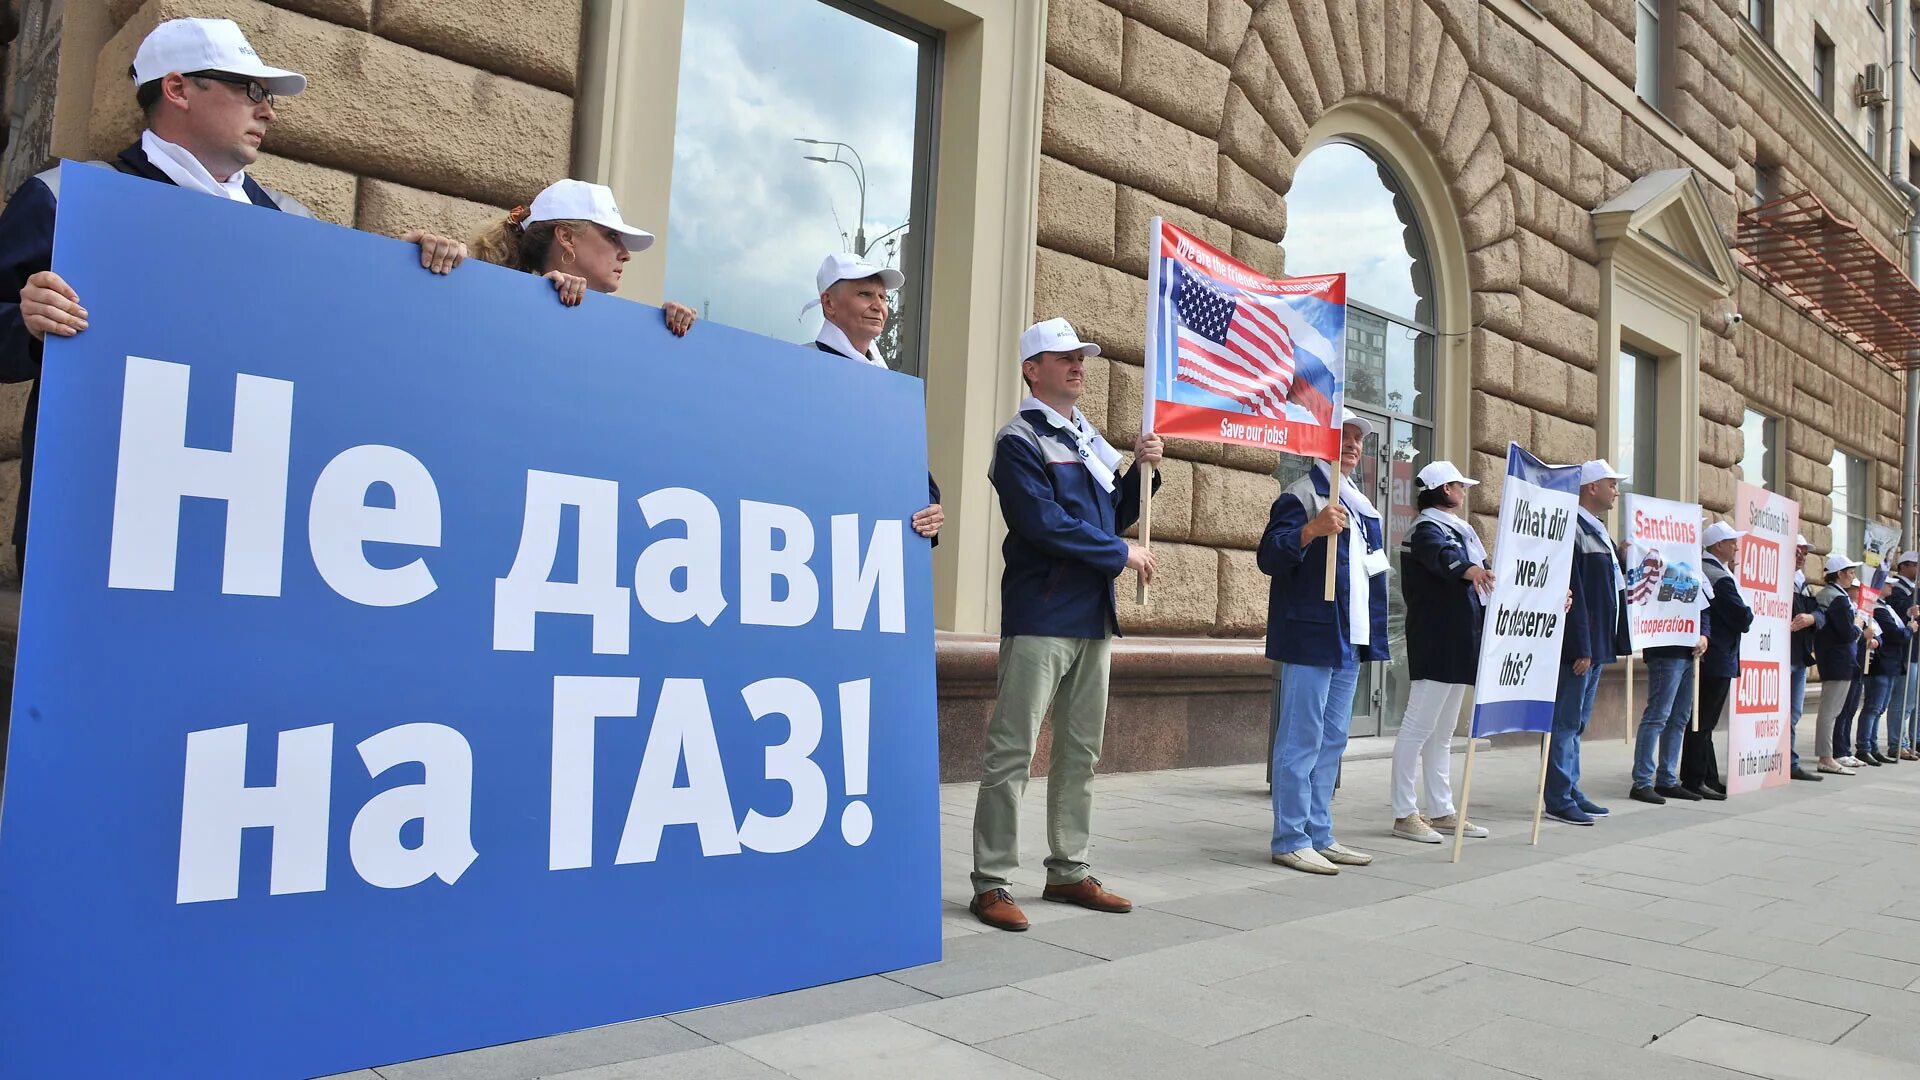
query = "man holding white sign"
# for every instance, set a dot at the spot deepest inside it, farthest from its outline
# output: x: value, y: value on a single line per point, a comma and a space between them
x: 1728, y: 618
x: 1664, y: 621
x: 1596, y: 636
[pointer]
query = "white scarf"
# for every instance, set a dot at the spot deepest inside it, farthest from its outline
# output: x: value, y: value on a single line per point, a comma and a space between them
x: 185, y: 170
x: 1359, y: 582
x: 1099, y: 458
x: 836, y: 339
x: 1619, y: 576
x: 1476, y: 551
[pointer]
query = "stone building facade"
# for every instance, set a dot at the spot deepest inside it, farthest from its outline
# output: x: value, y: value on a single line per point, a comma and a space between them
x: 1574, y: 221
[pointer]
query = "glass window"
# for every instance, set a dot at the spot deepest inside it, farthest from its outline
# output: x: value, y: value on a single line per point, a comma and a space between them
x: 1636, y: 423
x: 1347, y: 213
x: 1876, y: 122
x: 1760, y: 15
x: 1850, y: 498
x: 1822, y: 69
x: 780, y: 158
x: 1650, y: 76
x: 1766, y: 184
x: 1758, y: 431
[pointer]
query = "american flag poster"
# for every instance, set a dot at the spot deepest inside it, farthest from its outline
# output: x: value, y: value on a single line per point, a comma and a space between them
x: 1236, y: 356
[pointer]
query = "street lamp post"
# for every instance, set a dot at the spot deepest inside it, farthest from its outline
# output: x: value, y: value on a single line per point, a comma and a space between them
x: 859, y: 169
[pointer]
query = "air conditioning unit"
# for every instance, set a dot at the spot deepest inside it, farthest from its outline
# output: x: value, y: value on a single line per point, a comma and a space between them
x: 1871, y: 87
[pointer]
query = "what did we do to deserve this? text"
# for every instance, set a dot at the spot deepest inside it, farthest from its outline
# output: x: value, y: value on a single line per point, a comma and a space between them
x: 1529, y: 611
x: 680, y: 576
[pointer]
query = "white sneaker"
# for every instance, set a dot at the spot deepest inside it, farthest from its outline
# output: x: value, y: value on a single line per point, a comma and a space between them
x: 1345, y: 856
x: 1416, y: 829
x: 1306, y: 860
x: 1445, y: 825
x: 1852, y: 762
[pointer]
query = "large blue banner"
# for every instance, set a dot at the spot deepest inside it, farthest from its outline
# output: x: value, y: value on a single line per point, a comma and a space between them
x: 410, y: 663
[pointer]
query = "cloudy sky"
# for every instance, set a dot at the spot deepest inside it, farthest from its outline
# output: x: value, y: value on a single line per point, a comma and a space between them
x: 751, y: 219
x: 1340, y: 217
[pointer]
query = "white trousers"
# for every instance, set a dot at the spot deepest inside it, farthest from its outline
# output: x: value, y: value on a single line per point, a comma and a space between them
x: 1425, y: 741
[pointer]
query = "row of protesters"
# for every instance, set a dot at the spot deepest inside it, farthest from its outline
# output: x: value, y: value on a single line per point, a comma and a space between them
x: 208, y: 102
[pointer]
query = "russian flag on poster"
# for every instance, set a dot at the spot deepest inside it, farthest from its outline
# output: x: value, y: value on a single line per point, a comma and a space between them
x: 1526, y: 617
x: 1236, y: 356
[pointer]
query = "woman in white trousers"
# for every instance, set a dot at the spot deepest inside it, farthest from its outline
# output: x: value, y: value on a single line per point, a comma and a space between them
x: 1445, y: 578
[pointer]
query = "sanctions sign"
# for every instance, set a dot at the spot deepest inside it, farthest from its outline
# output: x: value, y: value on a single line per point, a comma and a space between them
x: 1665, y: 589
x: 410, y: 663
x: 1759, y: 740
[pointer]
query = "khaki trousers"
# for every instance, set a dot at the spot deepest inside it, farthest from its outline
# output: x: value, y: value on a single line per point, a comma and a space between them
x: 1070, y: 674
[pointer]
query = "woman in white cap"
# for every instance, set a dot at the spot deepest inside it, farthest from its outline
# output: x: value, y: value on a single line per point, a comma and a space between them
x: 572, y: 235
x: 1835, y: 647
x: 1446, y: 579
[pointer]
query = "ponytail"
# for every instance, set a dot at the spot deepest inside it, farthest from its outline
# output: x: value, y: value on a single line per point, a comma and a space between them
x: 507, y: 243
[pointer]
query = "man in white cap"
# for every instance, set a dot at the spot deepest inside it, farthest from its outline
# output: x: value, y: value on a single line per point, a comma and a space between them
x: 1901, y: 601
x: 853, y: 299
x: 1808, y: 618
x: 208, y: 101
x: 1065, y: 507
x: 1728, y: 617
x: 1596, y: 636
x: 1320, y: 644
x: 1837, y: 649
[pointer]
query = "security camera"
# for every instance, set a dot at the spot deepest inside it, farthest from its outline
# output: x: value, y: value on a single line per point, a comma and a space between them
x: 1736, y: 318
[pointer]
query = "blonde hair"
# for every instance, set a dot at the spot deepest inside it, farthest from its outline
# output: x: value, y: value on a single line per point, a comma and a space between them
x: 510, y: 242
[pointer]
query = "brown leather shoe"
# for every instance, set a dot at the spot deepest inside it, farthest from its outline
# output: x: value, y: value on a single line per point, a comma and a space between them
x: 1088, y: 893
x: 996, y: 908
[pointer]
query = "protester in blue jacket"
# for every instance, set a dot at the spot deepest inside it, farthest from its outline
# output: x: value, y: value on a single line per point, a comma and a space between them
x: 1596, y: 636
x: 1446, y: 577
x: 1320, y: 645
x: 1728, y: 617
x: 1836, y: 647
x: 1889, y: 669
x: 1065, y: 508
x: 208, y: 101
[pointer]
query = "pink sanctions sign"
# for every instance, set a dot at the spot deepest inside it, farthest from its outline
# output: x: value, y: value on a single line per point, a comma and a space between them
x: 1236, y: 356
x: 1759, y: 740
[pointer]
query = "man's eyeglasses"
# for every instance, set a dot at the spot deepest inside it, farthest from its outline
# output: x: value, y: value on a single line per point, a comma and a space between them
x: 256, y: 93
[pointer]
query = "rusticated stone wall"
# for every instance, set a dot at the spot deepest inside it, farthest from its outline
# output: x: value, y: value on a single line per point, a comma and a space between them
x: 1197, y: 110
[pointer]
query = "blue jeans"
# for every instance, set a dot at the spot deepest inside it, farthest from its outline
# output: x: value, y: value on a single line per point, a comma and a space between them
x: 1572, y: 706
x: 1799, y: 707
x: 1899, y: 709
x: 1316, y: 704
x: 1879, y: 688
x: 1656, y: 750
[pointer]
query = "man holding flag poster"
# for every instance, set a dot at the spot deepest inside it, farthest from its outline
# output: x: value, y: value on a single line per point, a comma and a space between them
x: 1527, y: 616
x: 1665, y: 624
x: 1320, y: 644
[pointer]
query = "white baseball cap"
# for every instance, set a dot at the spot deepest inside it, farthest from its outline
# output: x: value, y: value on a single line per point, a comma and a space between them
x: 1349, y: 418
x: 190, y: 45
x: 577, y: 200
x: 841, y: 266
x: 1907, y: 557
x: 1837, y: 562
x: 1800, y: 540
x: 1439, y: 474
x: 1719, y: 531
x: 1598, y: 469
x: 1053, y: 335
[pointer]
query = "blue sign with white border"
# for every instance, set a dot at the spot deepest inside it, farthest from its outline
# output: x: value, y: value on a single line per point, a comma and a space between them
x: 410, y: 664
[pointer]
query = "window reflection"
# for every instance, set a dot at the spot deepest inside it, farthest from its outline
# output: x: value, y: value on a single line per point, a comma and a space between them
x: 750, y: 217
x: 1347, y: 213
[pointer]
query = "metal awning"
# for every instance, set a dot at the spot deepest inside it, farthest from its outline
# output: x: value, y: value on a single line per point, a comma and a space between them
x: 1833, y: 272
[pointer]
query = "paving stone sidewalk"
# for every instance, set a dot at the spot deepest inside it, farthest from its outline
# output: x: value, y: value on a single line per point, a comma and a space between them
x: 1773, y: 935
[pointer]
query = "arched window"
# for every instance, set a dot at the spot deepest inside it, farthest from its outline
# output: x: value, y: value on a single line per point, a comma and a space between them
x: 1348, y: 212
